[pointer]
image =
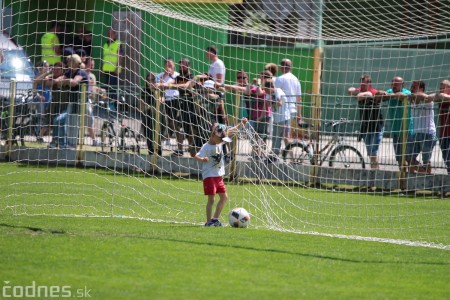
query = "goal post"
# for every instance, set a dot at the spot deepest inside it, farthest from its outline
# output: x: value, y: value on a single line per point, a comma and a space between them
x: 323, y: 179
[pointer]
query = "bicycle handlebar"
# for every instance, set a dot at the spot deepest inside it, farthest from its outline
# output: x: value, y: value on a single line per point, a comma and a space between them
x: 335, y: 123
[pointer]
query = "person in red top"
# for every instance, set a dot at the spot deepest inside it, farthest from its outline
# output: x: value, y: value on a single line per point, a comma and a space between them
x: 372, y: 123
x: 443, y: 97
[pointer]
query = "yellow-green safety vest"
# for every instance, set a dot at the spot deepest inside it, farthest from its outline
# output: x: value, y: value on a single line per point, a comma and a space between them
x: 111, y: 57
x: 48, y: 41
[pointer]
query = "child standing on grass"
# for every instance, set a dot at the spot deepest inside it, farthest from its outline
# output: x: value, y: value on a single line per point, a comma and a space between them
x: 213, y: 169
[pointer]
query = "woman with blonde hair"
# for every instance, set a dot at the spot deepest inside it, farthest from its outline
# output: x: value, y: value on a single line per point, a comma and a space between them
x: 73, y: 78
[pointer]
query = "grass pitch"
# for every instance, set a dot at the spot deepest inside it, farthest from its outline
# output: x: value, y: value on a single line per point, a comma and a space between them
x: 122, y: 258
x: 114, y: 258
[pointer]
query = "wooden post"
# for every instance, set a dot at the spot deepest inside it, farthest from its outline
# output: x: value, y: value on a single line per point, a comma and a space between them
x: 82, y: 129
x: 405, y: 130
x: 12, y: 102
x: 234, y: 150
x: 316, y: 106
x: 157, y: 127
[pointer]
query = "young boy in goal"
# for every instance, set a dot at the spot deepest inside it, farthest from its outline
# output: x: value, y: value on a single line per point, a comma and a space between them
x: 213, y: 169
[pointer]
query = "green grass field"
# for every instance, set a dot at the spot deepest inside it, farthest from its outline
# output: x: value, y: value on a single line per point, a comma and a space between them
x: 123, y: 258
x: 132, y: 259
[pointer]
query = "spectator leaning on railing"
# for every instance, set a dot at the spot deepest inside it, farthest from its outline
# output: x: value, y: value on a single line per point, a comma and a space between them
x: 372, y: 123
x: 424, y: 136
x: 73, y: 78
x: 395, y: 97
x: 443, y: 98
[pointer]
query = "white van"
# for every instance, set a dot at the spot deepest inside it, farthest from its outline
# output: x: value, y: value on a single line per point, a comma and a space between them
x: 14, y: 64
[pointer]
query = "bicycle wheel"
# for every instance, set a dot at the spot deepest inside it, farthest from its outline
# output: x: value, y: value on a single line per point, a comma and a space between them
x: 129, y: 140
x: 135, y: 139
x: 297, y: 153
x: 107, y: 137
x: 346, y: 157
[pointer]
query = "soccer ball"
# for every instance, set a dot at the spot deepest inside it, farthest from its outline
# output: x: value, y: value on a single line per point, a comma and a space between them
x: 239, y: 218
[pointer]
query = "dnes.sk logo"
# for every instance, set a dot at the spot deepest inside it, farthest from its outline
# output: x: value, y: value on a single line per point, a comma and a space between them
x: 33, y: 290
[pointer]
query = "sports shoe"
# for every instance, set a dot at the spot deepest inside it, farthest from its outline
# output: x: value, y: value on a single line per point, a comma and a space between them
x: 216, y: 223
x: 95, y: 143
x: 213, y: 223
x: 209, y: 224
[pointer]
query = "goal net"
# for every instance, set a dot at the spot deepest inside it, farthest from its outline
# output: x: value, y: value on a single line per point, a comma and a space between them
x: 335, y: 144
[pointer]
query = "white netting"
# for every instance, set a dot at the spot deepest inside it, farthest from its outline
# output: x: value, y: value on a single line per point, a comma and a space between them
x: 330, y: 44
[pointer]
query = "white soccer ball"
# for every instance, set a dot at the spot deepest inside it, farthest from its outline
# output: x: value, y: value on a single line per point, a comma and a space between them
x: 239, y: 218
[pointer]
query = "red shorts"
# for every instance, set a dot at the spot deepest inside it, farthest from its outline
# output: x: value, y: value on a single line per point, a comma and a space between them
x: 214, y: 185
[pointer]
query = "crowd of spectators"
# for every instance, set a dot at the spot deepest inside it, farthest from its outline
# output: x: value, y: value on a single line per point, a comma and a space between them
x: 411, y: 113
x: 184, y: 104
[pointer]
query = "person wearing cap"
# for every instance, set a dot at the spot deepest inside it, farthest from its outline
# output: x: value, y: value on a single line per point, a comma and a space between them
x: 213, y: 169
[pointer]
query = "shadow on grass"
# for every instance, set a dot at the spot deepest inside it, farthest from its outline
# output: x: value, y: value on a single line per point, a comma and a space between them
x: 34, y: 229
x: 310, y: 255
x: 207, y: 243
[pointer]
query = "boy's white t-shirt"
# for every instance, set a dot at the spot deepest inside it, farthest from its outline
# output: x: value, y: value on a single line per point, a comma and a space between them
x: 212, y: 168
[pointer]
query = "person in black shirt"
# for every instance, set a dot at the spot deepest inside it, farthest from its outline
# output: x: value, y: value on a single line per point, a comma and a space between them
x: 188, y: 119
x: 188, y: 116
x: 372, y: 122
x: 82, y: 42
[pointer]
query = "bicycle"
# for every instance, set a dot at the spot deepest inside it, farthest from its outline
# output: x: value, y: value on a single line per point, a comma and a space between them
x: 22, y: 117
x: 335, y: 153
x: 110, y: 139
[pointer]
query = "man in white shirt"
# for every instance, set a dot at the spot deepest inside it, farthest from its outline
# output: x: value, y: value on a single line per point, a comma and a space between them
x: 424, y: 137
x: 290, y: 85
x: 217, y: 67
